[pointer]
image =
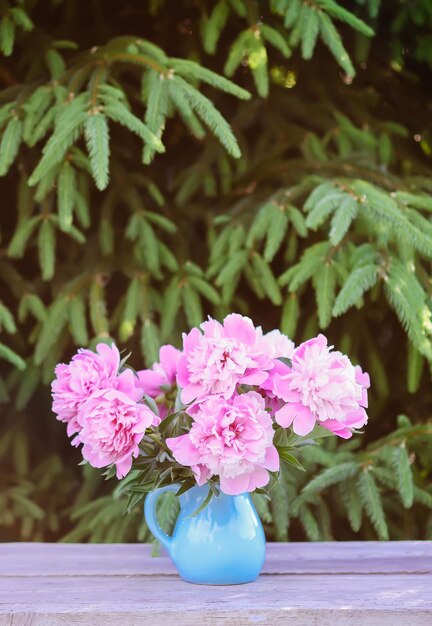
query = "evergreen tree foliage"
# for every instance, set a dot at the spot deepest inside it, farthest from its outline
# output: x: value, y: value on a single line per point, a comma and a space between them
x: 161, y: 161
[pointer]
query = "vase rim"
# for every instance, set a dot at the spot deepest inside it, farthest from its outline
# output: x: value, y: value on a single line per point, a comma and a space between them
x: 196, y: 489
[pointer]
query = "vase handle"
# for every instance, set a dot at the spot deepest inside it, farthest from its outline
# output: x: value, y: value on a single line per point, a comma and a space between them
x: 150, y: 516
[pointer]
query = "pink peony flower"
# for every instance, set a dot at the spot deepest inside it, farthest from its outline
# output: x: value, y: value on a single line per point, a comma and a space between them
x: 222, y: 356
x: 282, y: 347
x: 111, y: 426
x: 232, y: 439
x: 88, y: 372
x: 161, y: 378
x: 322, y: 386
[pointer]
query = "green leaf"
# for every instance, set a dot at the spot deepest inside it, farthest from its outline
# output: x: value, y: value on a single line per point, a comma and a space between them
x: 311, y: 260
x: 402, y: 466
x: 325, y: 285
x: 36, y: 107
x: 7, y: 35
x: 232, y: 268
x: 357, y: 283
x: 10, y: 143
x: 5, y: 113
x: 156, y: 112
x: 6, y: 319
x: 290, y: 315
x: 260, y: 224
x: 342, y: 14
x: 353, y: 504
x: 205, y: 289
x: 192, y: 306
x: 150, y: 342
x: 414, y: 369
x: 31, y: 302
x: 310, y: 29
x: 267, y: 279
x: 55, y: 63
x: 66, y: 193
x: 407, y: 298
x: 119, y: 113
x: 54, y: 323
x: 185, y: 110
x: 35, y: 127
x: 205, y: 109
x: 131, y: 309
x: 276, y: 233
x: 21, y: 236
x: 385, y: 149
x: 321, y: 191
x: 290, y: 459
x: 258, y: 62
x: 98, y: 309
x: 332, y: 476
x: 276, y: 39
x: 417, y: 201
x: 78, y: 321
x: 333, y: 41
x: 203, y: 505
x: 149, y: 246
x: 280, y: 510
x: 237, y: 52
x: 68, y: 127
x: 285, y: 360
x: 30, y: 381
x: 309, y: 524
x: 12, y: 357
x: 297, y: 220
x: 47, y: 247
x: 292, y: 12
x: 261, y: 503
x: 342, y: 219
x: 167, y: 257
x: 162, y: 221
x: 323, y: 208
x: 212, y: 26
x: 380, y: 205
x: 192, y: 70
x: 371, y: 500
x: 171, y: 305
x: 21, y: 18
x: 97, y: 139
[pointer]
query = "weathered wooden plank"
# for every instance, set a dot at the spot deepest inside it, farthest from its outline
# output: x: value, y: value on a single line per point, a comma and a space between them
x: 30, y: 559
x: 306, y: 600
x: 306, y: 584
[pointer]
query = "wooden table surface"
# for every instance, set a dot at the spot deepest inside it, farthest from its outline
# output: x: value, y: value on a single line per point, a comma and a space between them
x: 306, y: 584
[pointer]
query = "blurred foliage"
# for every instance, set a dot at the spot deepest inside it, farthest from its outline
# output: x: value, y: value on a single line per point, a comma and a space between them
x: 164, y: 161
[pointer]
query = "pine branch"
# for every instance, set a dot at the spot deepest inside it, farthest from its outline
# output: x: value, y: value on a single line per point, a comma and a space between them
x: 97, y: 139
x: 10, y: 143
x: 358, y: 282
x: 332, y: 476
x: 371, y: 500
x: 209, y: 115
x: 404, y: 475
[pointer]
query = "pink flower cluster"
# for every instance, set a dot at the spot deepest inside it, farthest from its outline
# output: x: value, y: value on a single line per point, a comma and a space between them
x: 232, y: 433
x: 101, y: 407
x: 232, y: 430
x: 237, y: 385
x: 159, y: 381
x: 322, y: 387
x: 232, y: 439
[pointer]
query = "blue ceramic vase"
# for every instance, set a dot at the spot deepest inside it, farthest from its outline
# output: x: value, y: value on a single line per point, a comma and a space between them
x: 223, y: 545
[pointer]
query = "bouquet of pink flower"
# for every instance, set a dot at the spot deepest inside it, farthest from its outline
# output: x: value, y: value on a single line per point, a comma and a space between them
x: 226, y: 409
